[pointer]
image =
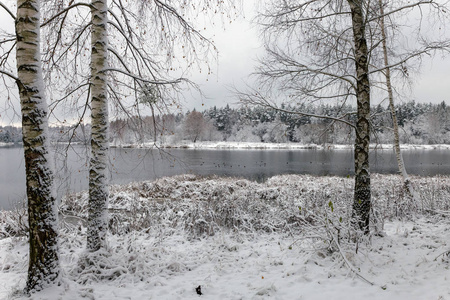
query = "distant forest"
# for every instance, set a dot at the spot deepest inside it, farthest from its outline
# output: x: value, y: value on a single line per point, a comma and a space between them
x: 419, y: 124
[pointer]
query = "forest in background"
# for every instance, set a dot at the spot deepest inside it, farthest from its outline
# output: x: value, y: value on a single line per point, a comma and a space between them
x: 419, y: 123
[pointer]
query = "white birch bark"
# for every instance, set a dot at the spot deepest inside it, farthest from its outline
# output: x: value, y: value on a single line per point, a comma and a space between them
x: 362, y: 194
x: 387, y: 72
x: 43, y: 266
x: 98, y: 171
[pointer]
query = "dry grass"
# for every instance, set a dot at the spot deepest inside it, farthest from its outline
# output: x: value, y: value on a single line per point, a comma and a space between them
x: 204, y: 205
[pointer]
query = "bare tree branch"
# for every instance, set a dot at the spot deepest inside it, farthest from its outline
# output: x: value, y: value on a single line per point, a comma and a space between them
x: 7, y: 10
x: 254, y: 98
x: 64, y: 12
x: 9, y: 75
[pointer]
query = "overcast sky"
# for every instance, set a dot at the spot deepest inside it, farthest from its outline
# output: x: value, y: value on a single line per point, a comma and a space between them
x: 239, y: 46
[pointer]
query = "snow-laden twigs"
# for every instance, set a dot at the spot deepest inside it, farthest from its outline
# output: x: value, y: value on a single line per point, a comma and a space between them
x: 14, y: 223
x: 349, y: 265
x: 445, y: 253
x: 204, y: 206
x: 174, y: 227
x: 200, y: 206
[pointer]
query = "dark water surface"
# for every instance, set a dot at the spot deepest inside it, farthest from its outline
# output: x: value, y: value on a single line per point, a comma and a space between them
x: 129, y: 165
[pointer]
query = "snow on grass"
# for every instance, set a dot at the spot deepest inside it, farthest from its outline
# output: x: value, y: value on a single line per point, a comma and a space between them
x: 238, y: 239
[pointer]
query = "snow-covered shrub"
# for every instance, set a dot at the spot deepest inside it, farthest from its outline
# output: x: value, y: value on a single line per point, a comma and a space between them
x: 434, y: 193
x: 151, y: 222
x: 75, y: 204
x: 324, y: 206
x: 243, y: 133
x: 203, y: 206
x: 14, y: 223
x: 311, y: 134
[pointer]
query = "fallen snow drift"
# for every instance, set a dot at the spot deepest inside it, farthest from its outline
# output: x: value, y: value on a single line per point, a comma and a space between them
x: 244, y: 240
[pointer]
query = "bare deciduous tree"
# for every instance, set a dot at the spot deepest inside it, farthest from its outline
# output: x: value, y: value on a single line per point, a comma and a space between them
x: 98, y: 169
x: 194, y: 125
x: 326, y: 50
x: 328, y: 60
x: 362, y: 194
x: 134, y: 45
x: 43, y: 266
x: 407, y: 58
x: 387, y: 73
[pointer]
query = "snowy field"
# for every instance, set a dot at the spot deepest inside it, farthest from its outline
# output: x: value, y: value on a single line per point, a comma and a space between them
x: 287, y: 238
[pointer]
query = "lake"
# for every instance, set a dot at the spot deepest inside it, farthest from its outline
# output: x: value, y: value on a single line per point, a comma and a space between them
x: 129, y: 165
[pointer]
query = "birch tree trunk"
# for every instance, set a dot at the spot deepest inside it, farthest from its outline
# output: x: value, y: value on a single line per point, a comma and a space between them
x: 43, y: 267
x: 98, y: 182
x: 362, y: 194
x: 399, y: 156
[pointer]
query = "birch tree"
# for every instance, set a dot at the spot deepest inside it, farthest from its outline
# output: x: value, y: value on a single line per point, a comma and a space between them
x: 98, y: 169
x: 327, y: 50
x: 409, y: 57
x: 362, y: 193
x: 43, y: 267
x: 328, y: 60
x: 134, y: 44
x: 387, y: 73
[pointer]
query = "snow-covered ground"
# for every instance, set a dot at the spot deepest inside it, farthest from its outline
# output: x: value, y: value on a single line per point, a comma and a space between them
x: 238, y: 239
x: 263, y: 146
x: 274, y: 146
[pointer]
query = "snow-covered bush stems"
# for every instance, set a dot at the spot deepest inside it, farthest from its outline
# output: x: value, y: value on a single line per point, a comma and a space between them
x: 203, y: 206
x: 307, y: 212
x: 14, y: 223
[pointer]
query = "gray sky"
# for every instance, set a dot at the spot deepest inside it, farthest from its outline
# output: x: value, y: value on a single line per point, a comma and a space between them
x: 239, y: 46
x: 433, y: 85
x: 6, y: 111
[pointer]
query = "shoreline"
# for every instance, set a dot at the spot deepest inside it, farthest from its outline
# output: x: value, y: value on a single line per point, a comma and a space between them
x: 274, y: 146
x: 250, y: 146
